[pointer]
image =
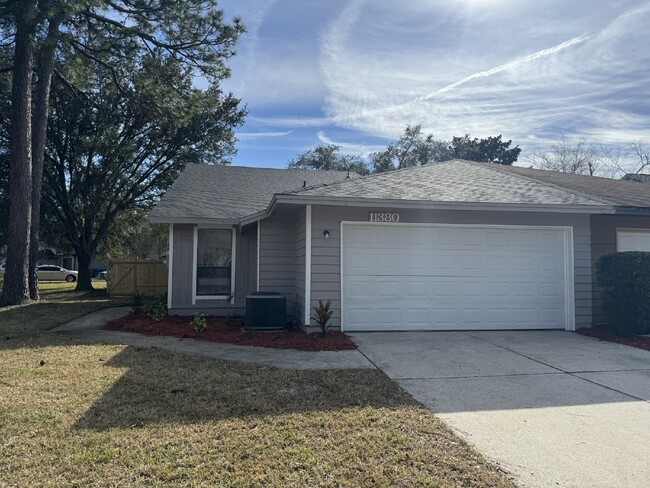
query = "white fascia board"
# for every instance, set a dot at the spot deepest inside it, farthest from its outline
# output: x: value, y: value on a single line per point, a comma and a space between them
x: 431, y: 205
x: 260, y: 215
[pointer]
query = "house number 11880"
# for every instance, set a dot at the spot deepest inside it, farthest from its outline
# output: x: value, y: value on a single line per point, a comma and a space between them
x: 383, y: 217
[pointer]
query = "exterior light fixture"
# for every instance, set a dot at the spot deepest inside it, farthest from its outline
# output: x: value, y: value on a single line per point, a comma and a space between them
x: 326, y: 234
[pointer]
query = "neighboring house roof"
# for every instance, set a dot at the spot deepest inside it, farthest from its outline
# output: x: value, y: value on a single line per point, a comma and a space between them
x: 617, y: 192
x: 229, y: 193
x: 453, y: 181
x: 640, y: 177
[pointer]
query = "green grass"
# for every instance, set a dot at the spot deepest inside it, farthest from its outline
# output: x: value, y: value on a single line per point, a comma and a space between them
x: 59, y: 304
x: 74, y: 413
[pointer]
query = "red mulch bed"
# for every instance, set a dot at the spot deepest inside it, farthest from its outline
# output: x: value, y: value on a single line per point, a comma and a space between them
x: 232, y: 333
x: 642, y: 342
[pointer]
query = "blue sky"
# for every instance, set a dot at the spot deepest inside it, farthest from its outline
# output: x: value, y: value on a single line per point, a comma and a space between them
x: 356, y: 72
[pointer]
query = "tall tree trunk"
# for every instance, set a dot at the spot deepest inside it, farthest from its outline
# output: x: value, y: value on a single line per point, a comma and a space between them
x: 39, y: 136
x: 16, y: 289
x: 84, y: 281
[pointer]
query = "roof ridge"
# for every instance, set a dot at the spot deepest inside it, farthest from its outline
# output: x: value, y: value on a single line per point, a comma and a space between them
x: 231, y: 166
x: 373, y: 175
x: 557, y: 186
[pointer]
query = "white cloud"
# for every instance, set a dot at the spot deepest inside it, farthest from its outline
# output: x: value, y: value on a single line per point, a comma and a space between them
x: 255, y: 135
x: 380, y: 78
x: 361, y: 69
x: 362, y: 150
x: 293, y: 122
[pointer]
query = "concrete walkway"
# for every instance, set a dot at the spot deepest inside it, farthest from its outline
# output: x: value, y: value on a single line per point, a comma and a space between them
x: 554, y: 408
x: 90, y: 327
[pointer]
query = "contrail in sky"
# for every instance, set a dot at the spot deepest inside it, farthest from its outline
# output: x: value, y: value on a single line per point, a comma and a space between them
x: 504, y: 67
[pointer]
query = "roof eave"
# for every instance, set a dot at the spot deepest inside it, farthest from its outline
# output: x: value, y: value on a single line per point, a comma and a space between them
x: 249, y: 219
x: 621, y: 210
x: 191, y: 220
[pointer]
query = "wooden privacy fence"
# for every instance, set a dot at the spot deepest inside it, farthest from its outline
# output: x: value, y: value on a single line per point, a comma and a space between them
x: 129, y: 277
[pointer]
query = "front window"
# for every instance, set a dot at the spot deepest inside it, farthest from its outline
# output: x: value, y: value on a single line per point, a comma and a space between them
x: 214, y: 262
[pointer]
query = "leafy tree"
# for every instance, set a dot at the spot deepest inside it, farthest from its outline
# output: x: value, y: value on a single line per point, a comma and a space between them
x: 192, y: 33
x: 416, y: 149
x: 489, y: 150
x: 413, y: 148
x: 132, y: 237
x: 113, y: 148
x: 329, y: 158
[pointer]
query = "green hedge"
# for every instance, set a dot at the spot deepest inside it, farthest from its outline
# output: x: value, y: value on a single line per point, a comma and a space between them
x: 625, y: 280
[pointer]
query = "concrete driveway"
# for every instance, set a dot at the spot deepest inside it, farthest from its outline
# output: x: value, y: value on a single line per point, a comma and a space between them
x: 553, y: 408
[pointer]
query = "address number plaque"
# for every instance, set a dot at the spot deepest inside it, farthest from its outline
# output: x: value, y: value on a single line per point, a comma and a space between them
x: 383, y: 217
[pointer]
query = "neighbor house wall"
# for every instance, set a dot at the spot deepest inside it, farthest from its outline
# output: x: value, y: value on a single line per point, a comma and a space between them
x: 182, y: 272
x: 603, y: 241
x: 326, y: 253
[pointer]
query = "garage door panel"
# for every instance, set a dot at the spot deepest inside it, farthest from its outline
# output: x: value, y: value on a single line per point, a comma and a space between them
x: 445, y: 277
x: 390, y: 290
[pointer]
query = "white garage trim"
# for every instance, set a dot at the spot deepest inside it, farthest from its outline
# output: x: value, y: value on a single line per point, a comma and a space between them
x: 308, y: 238
x: 568, y: 257
x: 632, y: 239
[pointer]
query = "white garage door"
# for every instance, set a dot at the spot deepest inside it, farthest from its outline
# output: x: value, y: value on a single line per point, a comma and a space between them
x: 450, y: 277
x: 633, y: 240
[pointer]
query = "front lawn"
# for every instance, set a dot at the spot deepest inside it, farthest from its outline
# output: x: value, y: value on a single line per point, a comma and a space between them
x: 80, y: 414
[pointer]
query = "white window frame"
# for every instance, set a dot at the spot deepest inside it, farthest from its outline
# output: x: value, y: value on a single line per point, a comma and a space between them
x: 232, y: 265
x: 569, y: 266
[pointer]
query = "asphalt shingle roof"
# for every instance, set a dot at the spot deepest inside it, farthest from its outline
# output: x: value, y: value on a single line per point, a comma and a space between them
x: 618, y: 192
x: 232, y: 192
x: 454, y: 181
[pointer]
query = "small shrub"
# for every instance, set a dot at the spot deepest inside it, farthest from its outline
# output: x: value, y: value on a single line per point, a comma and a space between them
x: 199, y: 322
x: 322, y: 315
x: 157, y: 308
x: 625, y: 280
x: 137, y: 303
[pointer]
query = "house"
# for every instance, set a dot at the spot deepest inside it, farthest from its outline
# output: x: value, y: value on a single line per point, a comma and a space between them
x: 451, y: 246
x: 640, y: 177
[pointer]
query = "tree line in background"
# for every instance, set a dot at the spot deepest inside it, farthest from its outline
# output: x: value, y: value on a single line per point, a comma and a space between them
x: 415, y: 148
x: 100, y: 114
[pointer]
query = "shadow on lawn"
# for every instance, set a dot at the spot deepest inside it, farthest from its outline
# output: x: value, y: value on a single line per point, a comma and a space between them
x: 164, y: 387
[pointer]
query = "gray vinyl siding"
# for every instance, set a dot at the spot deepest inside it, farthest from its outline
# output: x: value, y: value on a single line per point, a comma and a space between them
x: 326, y: 264
x: 182, y: 272
x: 300, y: 258
x: 278, y: 249
x: 603, y: 241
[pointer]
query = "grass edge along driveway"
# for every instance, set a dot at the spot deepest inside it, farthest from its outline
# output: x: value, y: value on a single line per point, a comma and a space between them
x: 80, y: 414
